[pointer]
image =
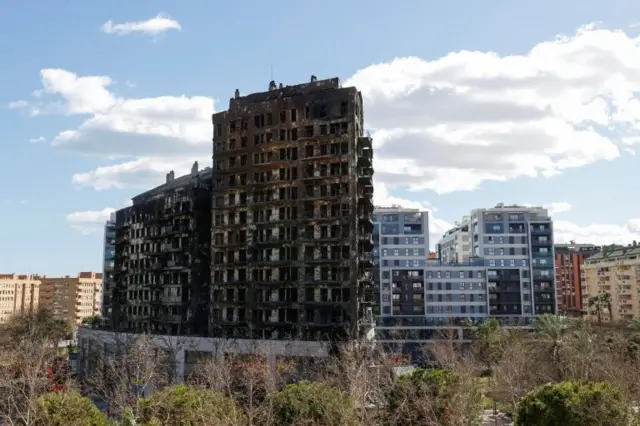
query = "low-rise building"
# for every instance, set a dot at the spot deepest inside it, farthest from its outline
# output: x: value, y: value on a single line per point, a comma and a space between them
x: 18, y: 294
x: 570, y: 275
x: 615, y: 270
x: 73, y: 299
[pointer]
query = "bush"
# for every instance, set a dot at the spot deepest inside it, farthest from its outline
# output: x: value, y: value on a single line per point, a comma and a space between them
x: 312, y: 403
x: 573, y: 403
x: 68, y: 408
x: 187, y: 406
x: 433, y: 397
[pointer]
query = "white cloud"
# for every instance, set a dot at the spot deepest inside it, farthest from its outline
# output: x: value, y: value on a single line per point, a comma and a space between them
x: 437, y: 227
x: 451, y: 123
x: 597, y: 233
x: 37, y: 139
x: 18, y: 104
x: 153, y: 135
x: 557, y: 208
x: 154, y: 26
x: 90, y: 221
x: 141, y: 173
x: 447, y: 124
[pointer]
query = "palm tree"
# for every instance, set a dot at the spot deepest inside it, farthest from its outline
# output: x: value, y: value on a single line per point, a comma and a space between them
x: 605, y: 300
x: 553, y: 328
x: 594, y: 302
x: 634, y: 324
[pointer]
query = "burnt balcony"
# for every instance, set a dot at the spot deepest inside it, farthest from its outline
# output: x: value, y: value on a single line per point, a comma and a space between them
x: 365, y: 174
x: 364, y: 143
x: 169, y: 247
x: 365, y: 258
x: 366, y: 240
x: 324, y: 259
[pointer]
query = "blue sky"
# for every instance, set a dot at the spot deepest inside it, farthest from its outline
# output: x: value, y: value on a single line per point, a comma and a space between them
x: 90, y: 118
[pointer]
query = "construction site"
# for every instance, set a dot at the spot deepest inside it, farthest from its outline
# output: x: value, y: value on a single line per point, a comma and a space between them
x: 161, y: 269
x: 292, y: 215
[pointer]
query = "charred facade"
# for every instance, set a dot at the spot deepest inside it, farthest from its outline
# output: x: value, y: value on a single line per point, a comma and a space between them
x: 162, y: 258
x: 292, y: 215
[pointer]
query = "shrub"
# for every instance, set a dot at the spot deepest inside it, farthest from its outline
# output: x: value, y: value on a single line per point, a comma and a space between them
x: 68, y: 408
x: 573, y: 403
x: 188, y: 406
x: 312, y: 403
x: 433, y: 397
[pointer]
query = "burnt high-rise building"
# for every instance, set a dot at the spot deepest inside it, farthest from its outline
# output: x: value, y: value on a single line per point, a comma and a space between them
x: 162, y: 248
x: 292, y: 215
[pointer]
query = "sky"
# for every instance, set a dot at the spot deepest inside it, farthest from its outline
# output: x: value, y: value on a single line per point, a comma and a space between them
x: 469, y: 103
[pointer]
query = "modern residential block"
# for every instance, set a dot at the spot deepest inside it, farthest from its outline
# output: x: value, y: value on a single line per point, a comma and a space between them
x: 18, y: 294
x: 614, y: 270
x: 72, y: 299
x: 292, y: 215
x: 570, y: 275
x: 516, y: 245
x: 456, y: 292
x: 109, y: 254
x: 455, y: 245
x: 161, y: 267
x: 401, y: 248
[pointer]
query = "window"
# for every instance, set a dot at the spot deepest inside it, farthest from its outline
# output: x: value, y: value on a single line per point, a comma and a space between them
x: 396, y: 252
x: 385, y: 252
x: 461, y: 274
x: 416, y: 252
x: 415, y: 240
x: 462, y: 285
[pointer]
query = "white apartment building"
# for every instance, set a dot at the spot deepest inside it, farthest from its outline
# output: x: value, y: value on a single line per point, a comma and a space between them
x: 515, y: 245
x: 401, y: 248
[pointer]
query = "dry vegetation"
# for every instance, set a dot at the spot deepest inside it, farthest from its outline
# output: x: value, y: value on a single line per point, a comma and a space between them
x: 357, y: 386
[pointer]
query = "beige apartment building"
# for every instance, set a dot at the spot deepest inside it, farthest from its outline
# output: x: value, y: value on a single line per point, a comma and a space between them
x: 73, y: 298
x: 615, y: 271
x: 18, y: 294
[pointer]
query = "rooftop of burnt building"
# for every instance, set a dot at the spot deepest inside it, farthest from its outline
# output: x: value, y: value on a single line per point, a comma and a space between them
x: 171, y: 183
x: 277, y: 91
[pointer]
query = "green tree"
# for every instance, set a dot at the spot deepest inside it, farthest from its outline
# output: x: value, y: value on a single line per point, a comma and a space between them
x: 188, y: 406
x: 68, y: 408
x: 573, y: 403
x: 433, y: 397
x: 311, y: 404
x: 39, y: 326
x: 553, y: 328
x: 489, y: 341
x: 634, y: 324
